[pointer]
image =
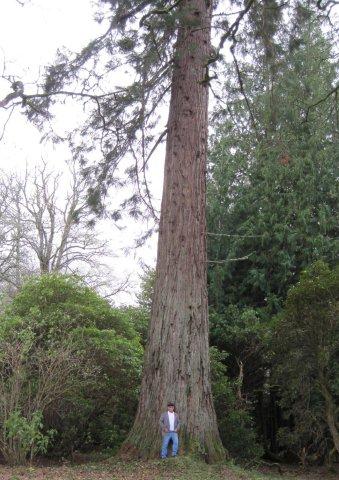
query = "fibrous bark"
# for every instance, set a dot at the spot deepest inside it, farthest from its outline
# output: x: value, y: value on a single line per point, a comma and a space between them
x: 176, y: 364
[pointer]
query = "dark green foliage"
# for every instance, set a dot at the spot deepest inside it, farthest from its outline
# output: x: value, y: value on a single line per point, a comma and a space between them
x: 305, y: 340
x: 272, y: 188
x: 105, y: 407
x: 241, y: 333
x: 272, y: 203
x: 234, y: 421
x: 138, y: 317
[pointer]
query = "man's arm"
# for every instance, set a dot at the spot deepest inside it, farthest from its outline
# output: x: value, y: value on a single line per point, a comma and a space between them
x: 162, y: 423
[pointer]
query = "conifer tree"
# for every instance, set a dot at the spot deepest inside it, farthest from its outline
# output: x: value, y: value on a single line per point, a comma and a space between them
x: 163, y: 52
x: 166, y: 49
x: 176, y: 362
x: 272, y: 167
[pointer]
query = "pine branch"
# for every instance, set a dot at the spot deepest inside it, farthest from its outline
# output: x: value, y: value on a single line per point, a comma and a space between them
x: 130, y: 14
x: 158, y: 11
x: 20, y: 94
x: 235, y: 25
x: 323, y: 99
x: 230, y: 33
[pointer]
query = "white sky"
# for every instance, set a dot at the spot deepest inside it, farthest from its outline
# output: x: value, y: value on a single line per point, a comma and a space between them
x: 29, y: 39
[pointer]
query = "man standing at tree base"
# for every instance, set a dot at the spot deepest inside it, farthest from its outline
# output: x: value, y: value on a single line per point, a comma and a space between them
x: 169, y: 424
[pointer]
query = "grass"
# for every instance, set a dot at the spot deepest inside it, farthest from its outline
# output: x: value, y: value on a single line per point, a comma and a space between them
x: 180, y: 468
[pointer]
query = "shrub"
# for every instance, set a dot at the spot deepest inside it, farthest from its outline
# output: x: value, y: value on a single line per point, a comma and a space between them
x: 31, y: 380
x: 90, y: 396
x: 306, y: 345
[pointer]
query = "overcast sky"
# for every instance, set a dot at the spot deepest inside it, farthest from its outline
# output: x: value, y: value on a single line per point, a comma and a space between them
x: 29, y: 38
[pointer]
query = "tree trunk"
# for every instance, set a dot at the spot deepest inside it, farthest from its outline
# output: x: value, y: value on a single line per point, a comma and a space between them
x: 176, y: 365
x: 330, y: 411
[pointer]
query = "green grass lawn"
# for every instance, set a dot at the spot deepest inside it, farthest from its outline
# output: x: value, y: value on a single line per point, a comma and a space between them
x: 181, y: 468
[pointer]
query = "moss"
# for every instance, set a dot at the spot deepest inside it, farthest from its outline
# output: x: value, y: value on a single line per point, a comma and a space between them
x: 147, y: 447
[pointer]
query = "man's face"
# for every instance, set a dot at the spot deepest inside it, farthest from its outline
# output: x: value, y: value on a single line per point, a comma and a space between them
x: 170, y: 408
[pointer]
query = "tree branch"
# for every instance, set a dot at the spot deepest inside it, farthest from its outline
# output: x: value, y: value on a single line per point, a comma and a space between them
x: 158, y: 11
x: 19, y: 93
x: 241, y: 84
x: 230, y: 259
x: 334, y: 90
x: 235, y: 25
x: 232, y: 235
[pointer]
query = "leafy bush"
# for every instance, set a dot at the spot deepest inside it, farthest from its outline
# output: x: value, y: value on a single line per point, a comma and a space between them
x: 306, y: 345
x: 99, y: 374
x: 24, y: 437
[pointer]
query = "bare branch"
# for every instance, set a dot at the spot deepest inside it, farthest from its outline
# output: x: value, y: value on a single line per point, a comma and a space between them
x: 44, y: 230
x: 241, y: 85
x: 246, y: 257
x: 6, y: 122
x: 232, y: 235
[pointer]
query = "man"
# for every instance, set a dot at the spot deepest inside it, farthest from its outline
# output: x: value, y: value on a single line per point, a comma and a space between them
x: 169, y: 424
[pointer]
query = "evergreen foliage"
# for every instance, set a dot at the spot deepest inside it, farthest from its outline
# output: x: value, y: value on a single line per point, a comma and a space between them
x: 305, y: 342
x: 272, y: 189
x: 272, y: 200
x: 234, y: 419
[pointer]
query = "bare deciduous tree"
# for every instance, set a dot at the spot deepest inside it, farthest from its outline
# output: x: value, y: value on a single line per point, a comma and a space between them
x: 45, y: 229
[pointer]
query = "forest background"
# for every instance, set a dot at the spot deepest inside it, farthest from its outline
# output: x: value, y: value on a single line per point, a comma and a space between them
x: 71, y: 361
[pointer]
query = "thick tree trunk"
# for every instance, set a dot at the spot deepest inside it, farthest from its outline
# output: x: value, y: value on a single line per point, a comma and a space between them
x: 176, y: 364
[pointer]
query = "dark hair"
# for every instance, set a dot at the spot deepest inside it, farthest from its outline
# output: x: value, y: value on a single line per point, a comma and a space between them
x: 170, y: 404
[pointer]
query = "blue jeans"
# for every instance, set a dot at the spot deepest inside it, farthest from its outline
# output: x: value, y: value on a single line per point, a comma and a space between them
x: 166, y: 438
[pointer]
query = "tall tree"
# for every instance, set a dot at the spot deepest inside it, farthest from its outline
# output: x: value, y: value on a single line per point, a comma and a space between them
x: 272, y: 199
x: 165, y: 47
x: 176, y: 362
x: 271, y: 191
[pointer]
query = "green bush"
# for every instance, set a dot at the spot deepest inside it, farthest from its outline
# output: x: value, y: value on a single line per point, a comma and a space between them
x: 31, y: 380
x: 102, y: 364
x: 25, y: 437
x: 306, y: 345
